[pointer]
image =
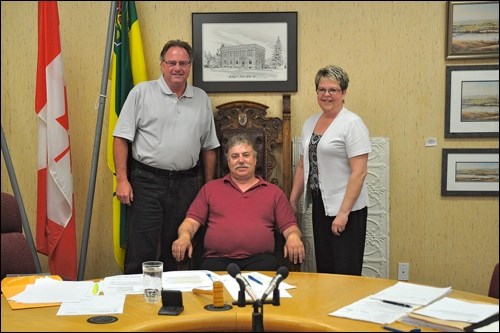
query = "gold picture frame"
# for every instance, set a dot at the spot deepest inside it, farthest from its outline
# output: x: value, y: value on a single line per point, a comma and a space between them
x: 472, y: 30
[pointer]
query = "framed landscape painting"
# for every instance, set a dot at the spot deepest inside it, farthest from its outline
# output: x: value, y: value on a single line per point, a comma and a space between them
x: 471, y: 101
x: 472, y: 29
x: 469, y: 172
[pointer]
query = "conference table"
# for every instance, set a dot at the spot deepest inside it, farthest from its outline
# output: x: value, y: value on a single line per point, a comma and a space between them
x: 315, y: 296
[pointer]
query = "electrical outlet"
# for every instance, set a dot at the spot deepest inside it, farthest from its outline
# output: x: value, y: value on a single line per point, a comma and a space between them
x: 403, y: 271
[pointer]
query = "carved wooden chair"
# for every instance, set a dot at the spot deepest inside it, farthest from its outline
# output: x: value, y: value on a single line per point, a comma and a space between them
x: 272, y: 139
x: 270, y: 135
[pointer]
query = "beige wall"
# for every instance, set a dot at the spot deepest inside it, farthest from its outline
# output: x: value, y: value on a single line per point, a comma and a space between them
x: 394, y: 53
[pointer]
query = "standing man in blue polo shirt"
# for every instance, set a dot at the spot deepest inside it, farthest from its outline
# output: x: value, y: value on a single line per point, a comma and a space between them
x: 167, y: 122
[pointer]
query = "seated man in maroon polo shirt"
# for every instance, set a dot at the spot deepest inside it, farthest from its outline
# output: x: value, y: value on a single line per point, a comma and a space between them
x: 240, y: 212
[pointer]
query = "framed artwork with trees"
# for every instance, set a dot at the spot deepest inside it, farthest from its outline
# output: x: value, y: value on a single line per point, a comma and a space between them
x: 245, y: 52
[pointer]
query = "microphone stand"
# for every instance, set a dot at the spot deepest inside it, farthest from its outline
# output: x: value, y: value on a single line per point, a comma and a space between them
x: 276, y: 296
x: 258, y: 306
x: 258, y: 317
x: 241, y: 295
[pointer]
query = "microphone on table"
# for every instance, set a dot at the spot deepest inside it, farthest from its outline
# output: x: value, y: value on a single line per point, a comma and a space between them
x: 235, y: 272
x: 281, y: 274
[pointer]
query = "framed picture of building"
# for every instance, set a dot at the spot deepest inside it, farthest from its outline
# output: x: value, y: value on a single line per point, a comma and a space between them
x: 472, y: 30
x: 245, y: 52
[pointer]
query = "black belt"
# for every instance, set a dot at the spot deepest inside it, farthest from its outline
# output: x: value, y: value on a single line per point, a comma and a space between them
x: 166, y: 173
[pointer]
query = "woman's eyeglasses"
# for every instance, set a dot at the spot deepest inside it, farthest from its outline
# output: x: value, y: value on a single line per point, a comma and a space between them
x: 331, y: 91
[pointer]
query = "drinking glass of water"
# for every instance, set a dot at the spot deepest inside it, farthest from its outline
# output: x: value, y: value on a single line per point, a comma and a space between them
x: 152, y: 272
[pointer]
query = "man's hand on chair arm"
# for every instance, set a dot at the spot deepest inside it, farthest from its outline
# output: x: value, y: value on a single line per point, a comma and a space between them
x: 294, y: 248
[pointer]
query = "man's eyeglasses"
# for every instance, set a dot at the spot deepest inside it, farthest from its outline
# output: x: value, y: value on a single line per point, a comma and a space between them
x: 172, y: 63
x: 331, y: 91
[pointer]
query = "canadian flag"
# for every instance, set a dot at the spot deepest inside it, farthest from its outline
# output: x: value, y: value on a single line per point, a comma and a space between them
x: 55, y: 226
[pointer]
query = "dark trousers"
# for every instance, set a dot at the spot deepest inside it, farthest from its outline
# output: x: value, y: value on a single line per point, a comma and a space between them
x: 159, y: 207
x: 260, y: 262
x: 338, y: 254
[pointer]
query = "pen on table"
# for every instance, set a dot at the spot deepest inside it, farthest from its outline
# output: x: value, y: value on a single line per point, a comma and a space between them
x: 95, y: 288
x: 392, y: 329
x: 396, y: 303
x: 254, y: 279
x: 210, y: 276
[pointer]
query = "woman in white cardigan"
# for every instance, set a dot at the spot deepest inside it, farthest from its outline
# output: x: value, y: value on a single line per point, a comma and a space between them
x: 331, y: 170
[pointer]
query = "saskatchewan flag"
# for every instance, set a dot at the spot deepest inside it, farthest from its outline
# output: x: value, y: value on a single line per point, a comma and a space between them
x: 128, y: 68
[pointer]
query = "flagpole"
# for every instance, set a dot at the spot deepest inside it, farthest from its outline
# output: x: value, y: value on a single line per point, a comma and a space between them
x: 97, y: 141
x: 19, y: 198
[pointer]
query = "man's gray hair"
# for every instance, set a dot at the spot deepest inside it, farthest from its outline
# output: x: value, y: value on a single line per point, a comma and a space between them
x: 238, y: 139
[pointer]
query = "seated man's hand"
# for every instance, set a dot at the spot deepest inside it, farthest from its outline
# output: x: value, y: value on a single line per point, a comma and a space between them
x: 294, y: 248
x: 186, y: 231
x: 180, y: 246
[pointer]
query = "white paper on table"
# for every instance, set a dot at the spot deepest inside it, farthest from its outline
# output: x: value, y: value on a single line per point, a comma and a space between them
x: 172, y: 280
x: 372, y: 310
x: 458, y: 310
x: 48, y: 290
x: 412, y: 294
x: 187, y: 280
x: 122, y: 284
x: 96, y: 305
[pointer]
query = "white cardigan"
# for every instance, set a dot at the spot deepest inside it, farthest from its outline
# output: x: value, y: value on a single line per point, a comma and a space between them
x: 346, y: 137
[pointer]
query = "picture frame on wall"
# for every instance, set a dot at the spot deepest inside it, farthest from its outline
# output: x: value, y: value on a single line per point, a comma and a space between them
x: 469, y: 172
x: 245, y: 52
x: 472, y: 29
x: 471, y: 107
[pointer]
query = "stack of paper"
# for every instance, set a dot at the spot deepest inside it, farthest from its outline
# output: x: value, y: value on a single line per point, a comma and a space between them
x: 172, y: 280
x: 74, y: 297
x: 391, y: 303
x: 12, y: 286
x: 412, y: 294
x: 372, y: 310
x: 434, y: 323
x: 452, y: 315
x: 48, y: 290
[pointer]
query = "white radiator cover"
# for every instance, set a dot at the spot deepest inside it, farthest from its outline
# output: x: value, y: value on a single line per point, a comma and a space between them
x: 376, y: 259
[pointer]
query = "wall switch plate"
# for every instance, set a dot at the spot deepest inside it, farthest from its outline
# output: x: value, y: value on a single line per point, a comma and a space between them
x: 403, y: 271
